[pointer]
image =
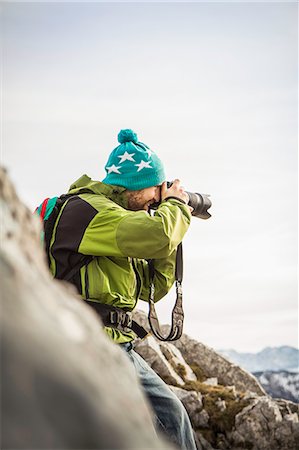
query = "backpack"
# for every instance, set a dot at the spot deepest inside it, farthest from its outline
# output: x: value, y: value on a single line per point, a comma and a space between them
x: 49, y: 211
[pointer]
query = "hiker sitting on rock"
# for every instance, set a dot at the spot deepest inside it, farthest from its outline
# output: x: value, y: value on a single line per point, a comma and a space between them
x: 102, y: 241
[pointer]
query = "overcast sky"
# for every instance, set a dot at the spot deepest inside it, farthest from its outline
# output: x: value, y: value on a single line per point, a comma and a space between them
x: 212, y: 88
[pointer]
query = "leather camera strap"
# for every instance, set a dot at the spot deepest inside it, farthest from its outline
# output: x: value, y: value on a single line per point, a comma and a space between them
x: 177, y: 318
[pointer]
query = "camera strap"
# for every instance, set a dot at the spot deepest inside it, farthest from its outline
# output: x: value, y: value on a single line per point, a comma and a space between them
x: 177, y: 318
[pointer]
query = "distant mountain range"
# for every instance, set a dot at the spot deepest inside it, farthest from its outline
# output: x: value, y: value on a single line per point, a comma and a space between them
x: 270, y: 358
x: 276, y: 368
x: 281, y: 384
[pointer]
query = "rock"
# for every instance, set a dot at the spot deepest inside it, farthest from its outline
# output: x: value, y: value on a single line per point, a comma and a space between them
x: 236, y: 413
x: 192, y: 401
x: 142, y: 319
x: 233, y: 390
x: 211, y: 381
x: 293, y: 417
x: 287, y: 407
x: 221, y: 405
x: 202, y: 443
x: 64, y: 383
x: 163, y: 357
x: 150, y: 350
x: 262, y: 425
x: 250, y: 395
x: 175, y: 358
x: 203, y: 419
x: 222, y: 442
x: 215, y: 365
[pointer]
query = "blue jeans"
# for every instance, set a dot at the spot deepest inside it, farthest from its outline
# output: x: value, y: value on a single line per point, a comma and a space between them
x: 170, y: 414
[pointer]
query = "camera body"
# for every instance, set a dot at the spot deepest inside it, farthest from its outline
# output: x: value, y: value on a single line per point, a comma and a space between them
x: 199, y: 202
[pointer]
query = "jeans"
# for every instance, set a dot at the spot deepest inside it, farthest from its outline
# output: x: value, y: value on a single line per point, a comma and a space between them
x: 170, y: 414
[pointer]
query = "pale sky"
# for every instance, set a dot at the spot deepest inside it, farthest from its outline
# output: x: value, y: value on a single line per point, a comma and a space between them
x: 212, y: 88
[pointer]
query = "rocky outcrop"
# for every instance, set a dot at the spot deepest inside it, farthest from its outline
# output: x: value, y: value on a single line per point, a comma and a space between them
x: 214, y: 365
x: 263, y: 422
x: 64, y: 384
x: 228, y: 407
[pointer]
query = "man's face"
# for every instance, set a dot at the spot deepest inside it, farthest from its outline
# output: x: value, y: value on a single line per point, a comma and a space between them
x: 142, y: 199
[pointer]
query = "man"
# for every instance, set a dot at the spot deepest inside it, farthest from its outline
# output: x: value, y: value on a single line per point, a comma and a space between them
x: 109, y: 220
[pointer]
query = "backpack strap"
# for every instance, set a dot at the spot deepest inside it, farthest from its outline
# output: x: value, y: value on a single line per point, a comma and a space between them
x: 48, y: 211
x: 51, y: 220
x: 83, y: 262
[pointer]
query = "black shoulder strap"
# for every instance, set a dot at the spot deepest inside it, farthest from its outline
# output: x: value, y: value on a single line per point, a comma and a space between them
x: 50, y: 222
x: 83, y: 262
x: 49, y: 228
x: 177, y: 312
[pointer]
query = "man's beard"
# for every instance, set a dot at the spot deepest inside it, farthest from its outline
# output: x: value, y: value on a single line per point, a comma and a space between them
x: 136, y: 202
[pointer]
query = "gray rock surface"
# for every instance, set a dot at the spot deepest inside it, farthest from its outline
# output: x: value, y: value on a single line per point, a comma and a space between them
x: 150, y: 350
x: 64, y: 384
x: 192, y: 401
x: 212, y: 364
x: 215, y: 365
x: 263, y: 424
x: 175, y: 358
x: 227, y: 406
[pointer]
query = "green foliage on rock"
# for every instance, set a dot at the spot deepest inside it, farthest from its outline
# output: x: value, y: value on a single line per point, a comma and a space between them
x: 199, y: 372
x: 221, y: 420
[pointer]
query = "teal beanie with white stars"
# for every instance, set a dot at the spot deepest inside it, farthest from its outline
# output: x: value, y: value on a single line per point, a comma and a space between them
x: 133, y: 164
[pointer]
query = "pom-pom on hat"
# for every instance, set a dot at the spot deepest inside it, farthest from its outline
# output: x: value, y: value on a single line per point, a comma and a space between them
x: 133, y: 164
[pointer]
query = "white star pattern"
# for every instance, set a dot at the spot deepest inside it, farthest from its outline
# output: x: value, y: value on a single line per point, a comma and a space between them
x: 126, y: 157
x: 149, y: 152
x: 113, y: 169
x: 143, y: 164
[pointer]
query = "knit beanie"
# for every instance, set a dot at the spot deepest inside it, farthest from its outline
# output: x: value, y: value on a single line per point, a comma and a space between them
x: 132, y: 164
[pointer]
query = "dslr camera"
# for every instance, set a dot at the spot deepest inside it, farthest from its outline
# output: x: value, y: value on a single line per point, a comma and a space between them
x: 199, y: 202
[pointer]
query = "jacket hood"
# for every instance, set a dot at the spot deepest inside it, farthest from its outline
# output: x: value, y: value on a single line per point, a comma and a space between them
x: 85, y: 185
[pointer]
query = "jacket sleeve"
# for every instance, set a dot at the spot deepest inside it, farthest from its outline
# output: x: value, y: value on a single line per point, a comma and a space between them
x: 164, y: 276
x: 117, y: 232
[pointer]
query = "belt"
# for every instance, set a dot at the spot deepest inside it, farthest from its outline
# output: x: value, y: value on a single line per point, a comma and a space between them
x: 117, y: 318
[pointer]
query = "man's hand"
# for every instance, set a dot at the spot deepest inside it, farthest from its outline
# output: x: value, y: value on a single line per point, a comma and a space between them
x: 175, y: 190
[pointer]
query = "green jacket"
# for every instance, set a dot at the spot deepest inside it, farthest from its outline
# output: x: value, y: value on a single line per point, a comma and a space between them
x: 96, y: 222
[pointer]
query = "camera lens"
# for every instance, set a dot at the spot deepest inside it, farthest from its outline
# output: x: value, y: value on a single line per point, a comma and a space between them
x: 200, y: 204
